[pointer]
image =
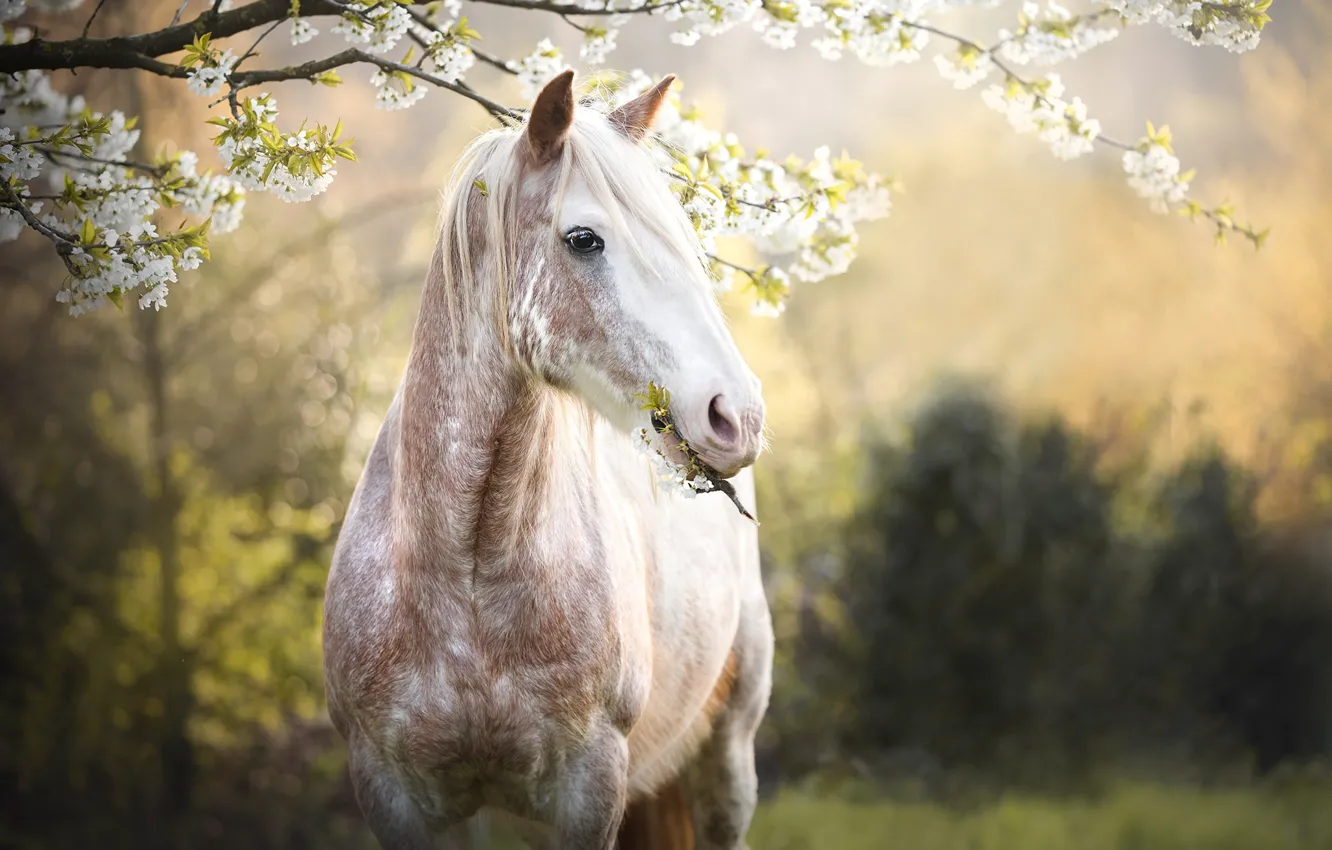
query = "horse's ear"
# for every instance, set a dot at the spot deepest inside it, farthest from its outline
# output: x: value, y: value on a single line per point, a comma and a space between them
x: 551, y: 117
x: 635, y: 117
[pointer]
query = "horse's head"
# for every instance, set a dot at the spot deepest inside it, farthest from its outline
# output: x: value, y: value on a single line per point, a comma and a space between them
x: 607, y: 289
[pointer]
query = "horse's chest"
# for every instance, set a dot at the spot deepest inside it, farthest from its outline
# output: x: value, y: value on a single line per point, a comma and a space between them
x: 506, y: 681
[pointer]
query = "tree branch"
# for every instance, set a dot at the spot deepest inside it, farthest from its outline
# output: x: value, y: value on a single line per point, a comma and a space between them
x: 130, y: 51
x: 353, y: 56
x: 180, y: 10
x: 93, y: 17
x: 62, y: 241
x: 574, y: 9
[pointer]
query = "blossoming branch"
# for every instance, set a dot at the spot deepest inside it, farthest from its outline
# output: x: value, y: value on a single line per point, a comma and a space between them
x: 71, y: 173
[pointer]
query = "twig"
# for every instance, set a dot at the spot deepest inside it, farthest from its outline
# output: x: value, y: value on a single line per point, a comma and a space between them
x: 156, y: 171
x: 353, y: 56
x: 488, y: 58
x: 492, y: 60
x: 663, y: 422
x: 250, y: 52
x: 93, y: 16
x: 753, y: 273
x: 1005, y: 70
x: 61, y: 240
x: 572, y: 9
x: 564, y: 16
x: 180, y: 10
x: 129, y: 52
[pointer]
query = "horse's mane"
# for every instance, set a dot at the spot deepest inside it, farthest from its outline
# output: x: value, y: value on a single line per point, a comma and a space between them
x: 625, y: 178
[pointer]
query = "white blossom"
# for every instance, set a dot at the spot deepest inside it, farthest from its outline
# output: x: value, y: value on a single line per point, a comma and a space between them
x: 378, y: 26
x: 539, y: 67
x: 207, y: 78
x: 248, y: 158
x: 1154, y: 174
x: 597, y: 43
x: 1051, y: 35
x: 447, y: 56
x: 11, y: 224
x: 29, y: 99
x: 1039, y: 109
x: 767, y: 309
x: 17, y: 161
x: 1233, y: 24
x: 395, y: 90
x: 964, y: 69
x: 118, y: 142
x: 302, y: 30
x: 669, y: 476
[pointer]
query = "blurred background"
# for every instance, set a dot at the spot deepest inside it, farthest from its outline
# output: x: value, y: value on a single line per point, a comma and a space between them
x: 1047, y: 519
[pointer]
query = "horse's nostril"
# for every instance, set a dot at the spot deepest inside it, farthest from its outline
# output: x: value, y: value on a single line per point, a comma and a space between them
x: 722, y: 422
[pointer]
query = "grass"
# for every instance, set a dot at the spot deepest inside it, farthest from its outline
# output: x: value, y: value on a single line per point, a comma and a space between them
x: 1130, y: 817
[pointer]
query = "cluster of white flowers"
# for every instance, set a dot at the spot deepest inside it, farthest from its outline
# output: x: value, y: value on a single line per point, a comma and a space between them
x: 1052, y: 35
x: 378, y: 26
x: 1039, y: 108
x: 216, y: 197
x: 448, y: 55
x: 670, y: 477
x: 802, y: 215
x: 129, y: 265
x: 19, y: 161
x: 538, y: 67
x: 294, y: 167
x: 709, y: 17
x: 965, y: 68
x: 207, y: 78
x: 395, y: 90
x: 1154, y: 173
x: 99, y: 219
x: 1233, y: 24
x: 599, y: 41
x: 885, y: 32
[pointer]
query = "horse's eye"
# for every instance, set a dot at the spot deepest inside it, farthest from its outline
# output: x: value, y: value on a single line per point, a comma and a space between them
x: 583, y: 241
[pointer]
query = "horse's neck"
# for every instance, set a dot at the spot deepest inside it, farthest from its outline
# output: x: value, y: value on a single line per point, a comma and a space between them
x: 472, y: 433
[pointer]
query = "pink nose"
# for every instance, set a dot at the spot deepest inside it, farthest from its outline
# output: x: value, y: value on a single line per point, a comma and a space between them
x: 732, y: 437
x: 723, y: 424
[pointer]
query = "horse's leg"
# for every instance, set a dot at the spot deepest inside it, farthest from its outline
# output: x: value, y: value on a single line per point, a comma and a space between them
x: 390, y: 812
x: 722, y: 782
x: 594, y: 785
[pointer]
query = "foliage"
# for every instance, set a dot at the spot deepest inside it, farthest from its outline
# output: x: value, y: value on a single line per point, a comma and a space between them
x: 169, y: 685
x: 1002, y: 621
x: 802, y: 215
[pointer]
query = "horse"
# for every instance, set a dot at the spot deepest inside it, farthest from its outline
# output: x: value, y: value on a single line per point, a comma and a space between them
x: 518, y: 623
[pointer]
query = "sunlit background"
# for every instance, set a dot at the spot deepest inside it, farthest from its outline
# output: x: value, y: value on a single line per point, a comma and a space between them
x: 1046, y: 516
